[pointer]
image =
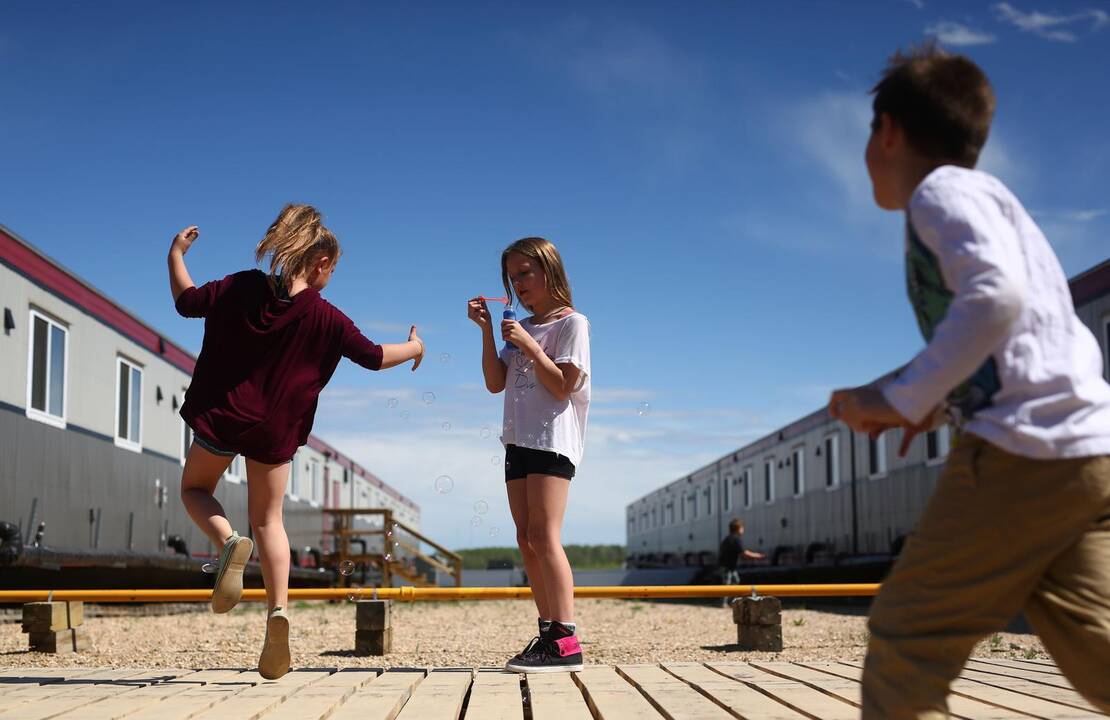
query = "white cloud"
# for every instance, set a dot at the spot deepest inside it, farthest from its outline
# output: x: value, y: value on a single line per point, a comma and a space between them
x: 1083, y: 215
x: 956, y: 35
x: 621, y: 395
x: 996, y: 159
x: 833, y: 129
x: 627, y: 455
x: 1050, y: 26
x: 919, y: 4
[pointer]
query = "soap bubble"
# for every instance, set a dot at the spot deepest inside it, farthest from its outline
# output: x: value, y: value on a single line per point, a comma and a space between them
x: 444, y: 484
x: 445, y: 358
x: 404, y: 414
x: 485, y: 432
x: 644, y: 409
x: 392, y: 402
x: 493, y: 531
x: 481, y: 507
x: 354, y: 593
x: 428, y: 398
x: 388, y: 557
x: 446, y: 427
x: 495, y: 460
x: 475, y: 521
x: 209, y: 568
x: 346, y: 567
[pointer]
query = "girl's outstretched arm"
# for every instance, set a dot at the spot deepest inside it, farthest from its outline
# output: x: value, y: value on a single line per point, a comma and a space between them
x: 493, y: 370
x: 179, y: 274
x: 397, y: 353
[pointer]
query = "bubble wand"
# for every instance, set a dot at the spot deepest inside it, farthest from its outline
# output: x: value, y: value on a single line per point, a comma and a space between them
x: 508, y: 314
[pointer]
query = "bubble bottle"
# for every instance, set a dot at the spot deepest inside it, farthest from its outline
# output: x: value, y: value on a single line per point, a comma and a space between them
x: 509, y: 314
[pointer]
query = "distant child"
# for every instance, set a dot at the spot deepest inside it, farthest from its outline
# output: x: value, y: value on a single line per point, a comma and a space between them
x: 732, y: 552
x: 544, y: 370
x: 1020, y: 518
x: 271, y: 343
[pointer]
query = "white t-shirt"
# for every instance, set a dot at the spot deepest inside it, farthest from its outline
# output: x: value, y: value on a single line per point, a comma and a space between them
x: 1005, y: 349
x: 533, y: 417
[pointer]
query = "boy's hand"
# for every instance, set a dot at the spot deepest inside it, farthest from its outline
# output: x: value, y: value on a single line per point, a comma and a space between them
x: 184, y: 239
x: 932, y: 421
x: 413, y: 337
x: 864, y: 409
x: 477, y: 311
x: 511, y: 331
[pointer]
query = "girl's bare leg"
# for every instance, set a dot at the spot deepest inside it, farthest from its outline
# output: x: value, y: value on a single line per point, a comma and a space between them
x: 202, y: 473
x: 265, y: 493
x: 518, y: 507
x: 547, y: 502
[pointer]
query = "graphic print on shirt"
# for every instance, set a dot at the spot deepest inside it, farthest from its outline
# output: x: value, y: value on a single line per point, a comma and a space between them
x: 930, y: 298
x: 523, y: 378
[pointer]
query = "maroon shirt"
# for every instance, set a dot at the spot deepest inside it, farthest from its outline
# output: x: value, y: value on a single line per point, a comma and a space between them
x: 263, y: 363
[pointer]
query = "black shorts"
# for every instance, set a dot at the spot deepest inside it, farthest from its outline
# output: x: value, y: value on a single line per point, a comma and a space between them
x: 521, y: 462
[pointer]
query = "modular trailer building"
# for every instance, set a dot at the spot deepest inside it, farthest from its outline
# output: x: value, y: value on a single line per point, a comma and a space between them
x: 813, y: 489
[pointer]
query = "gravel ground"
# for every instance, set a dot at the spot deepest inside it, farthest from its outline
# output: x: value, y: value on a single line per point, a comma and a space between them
x: 472, y: 634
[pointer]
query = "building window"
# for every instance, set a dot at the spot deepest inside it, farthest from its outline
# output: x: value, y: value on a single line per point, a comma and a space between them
x: 936, y: 445
x: 708, y: 492
x: 314, y: 481
x: 1106, y: 345
x: 729, y: 481
x: 832, y: 460
x: 769, y: 480
x: 186, y: 433
x: 876, y: 456
x: 292, y: 489
x: 682, y: 507
x: 748, y: 487
x: 46, y: 382
x: 799, y: 470
x: 235, y: 472
x: 670, y: 512
x: 694, y: 504
x: 654, y: 518
x: 129, y: 405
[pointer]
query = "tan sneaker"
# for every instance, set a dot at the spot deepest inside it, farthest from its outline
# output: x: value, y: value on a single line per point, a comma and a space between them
x: 274, y: 661
x: 229, y: 580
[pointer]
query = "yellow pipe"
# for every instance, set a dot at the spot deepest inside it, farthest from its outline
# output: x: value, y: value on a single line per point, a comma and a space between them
x: 408, y: 593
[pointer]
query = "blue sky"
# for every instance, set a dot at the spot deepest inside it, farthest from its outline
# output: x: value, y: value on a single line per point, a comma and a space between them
x: 698, y: 165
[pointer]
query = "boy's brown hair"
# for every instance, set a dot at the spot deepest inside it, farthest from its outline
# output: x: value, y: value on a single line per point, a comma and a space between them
x: 735, y: 525
x: 943, y: 102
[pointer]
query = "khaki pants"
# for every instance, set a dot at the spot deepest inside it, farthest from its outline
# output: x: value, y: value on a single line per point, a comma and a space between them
x: 1001, y: 534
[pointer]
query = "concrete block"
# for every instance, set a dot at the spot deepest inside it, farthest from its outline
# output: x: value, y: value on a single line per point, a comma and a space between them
x: 40, y: 617
x: 760, y: 610
x: 374, y: 642
x: 766, y: 638
x: 372, y: 615
x: 60, y: 641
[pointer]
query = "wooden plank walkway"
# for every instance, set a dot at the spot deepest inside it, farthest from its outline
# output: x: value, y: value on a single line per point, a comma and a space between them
x: 988, y: 689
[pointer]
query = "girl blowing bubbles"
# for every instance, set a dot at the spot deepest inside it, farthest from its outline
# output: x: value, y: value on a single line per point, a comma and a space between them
x: 544, y: 370
x: 271, y: 343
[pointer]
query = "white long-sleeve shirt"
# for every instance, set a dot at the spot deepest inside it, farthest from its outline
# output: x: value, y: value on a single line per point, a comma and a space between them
x: 1005, y: 349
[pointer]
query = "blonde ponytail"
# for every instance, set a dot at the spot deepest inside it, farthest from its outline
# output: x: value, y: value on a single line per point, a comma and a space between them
x: 294, y: 241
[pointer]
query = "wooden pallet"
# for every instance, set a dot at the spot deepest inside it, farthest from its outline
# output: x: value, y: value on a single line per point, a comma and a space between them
x: 987, y: 689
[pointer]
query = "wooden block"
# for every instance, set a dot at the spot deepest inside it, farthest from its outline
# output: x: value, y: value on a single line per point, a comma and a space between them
x: 757, y: 611
x: 372, y: 615
x: 76, y: 611
x: 374, y: 642
x: 42, y: 617
x: 81, y: 640
x: 767, y: 638
x: 60, y: 641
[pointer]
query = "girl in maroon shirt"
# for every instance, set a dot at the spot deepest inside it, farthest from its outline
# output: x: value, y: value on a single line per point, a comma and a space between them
x: 271, y: 344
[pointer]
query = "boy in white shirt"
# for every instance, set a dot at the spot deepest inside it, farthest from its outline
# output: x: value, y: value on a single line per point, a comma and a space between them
x: 1020, y: 518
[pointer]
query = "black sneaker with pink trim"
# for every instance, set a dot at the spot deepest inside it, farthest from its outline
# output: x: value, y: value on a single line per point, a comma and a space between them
x: 558, y: 652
